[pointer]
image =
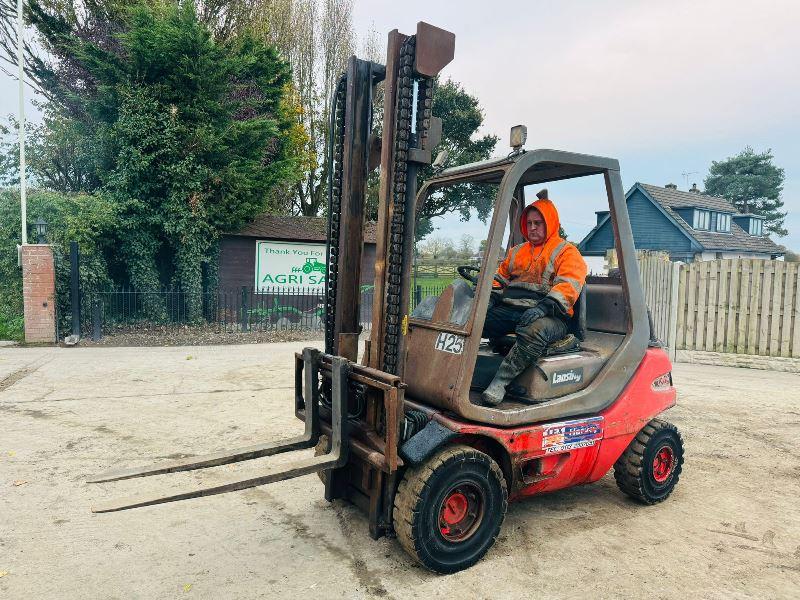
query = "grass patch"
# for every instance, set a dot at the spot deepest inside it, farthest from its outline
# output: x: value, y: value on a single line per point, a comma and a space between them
x: 11, y: 327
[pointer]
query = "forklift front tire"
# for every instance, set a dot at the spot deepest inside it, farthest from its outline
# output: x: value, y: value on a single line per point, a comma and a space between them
x: 448, y: 511
x: 650, y: 467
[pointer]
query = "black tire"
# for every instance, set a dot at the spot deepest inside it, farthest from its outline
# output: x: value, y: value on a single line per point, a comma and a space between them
x: 650, y: 467
x: 437, y: 534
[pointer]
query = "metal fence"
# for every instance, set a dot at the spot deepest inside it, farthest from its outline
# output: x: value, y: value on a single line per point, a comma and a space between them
x: 236, y: 310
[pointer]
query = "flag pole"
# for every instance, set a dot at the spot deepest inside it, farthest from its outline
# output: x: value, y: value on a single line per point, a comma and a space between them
x: 22, y: 183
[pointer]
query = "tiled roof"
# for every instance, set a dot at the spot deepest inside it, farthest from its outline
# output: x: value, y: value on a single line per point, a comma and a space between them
x: 680, y: 199
x: 302, y: 229
x: 737, y: 239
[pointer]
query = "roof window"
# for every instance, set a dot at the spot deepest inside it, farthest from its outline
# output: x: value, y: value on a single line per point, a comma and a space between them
x: 723, y: 222
x: 702, y: 219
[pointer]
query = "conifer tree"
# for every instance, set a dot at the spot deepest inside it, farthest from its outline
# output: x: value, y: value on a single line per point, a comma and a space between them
x: 753, y: 184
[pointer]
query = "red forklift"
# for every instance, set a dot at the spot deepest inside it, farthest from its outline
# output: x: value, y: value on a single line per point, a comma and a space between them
x: 402, y: 432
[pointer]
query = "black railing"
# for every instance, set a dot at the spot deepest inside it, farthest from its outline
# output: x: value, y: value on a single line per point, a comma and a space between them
x: 236, y: 310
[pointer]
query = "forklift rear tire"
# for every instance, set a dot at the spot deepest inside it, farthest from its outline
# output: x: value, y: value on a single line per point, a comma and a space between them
x: 449, y: 510
x: 650, y: 467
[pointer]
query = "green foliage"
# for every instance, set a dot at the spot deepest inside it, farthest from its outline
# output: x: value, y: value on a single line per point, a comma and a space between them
x: 461, y: 116
x: 753, y: 184
x: 87, y: 219
x: 58, y: 157
x: 187, y: 136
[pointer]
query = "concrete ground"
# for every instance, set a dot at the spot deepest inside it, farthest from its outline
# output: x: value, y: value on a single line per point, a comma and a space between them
x: 730, y: 530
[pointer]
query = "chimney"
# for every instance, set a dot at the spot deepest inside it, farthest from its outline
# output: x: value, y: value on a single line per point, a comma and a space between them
x: 694, y: 189
x: 671, y: 186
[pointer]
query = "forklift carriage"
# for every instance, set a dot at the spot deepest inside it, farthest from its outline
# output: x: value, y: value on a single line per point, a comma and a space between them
x: 403, y: 433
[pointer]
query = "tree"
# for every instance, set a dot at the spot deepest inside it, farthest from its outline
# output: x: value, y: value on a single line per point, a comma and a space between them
x: 189, y: 135
x: 466, y: 245
x: 753, y: 184
x: 58, y: 157
x: 437, y: 247
x: 461, y: 118
x: 316, y: 38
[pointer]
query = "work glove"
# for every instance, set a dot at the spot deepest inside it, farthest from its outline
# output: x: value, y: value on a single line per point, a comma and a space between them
x: 531, y: 315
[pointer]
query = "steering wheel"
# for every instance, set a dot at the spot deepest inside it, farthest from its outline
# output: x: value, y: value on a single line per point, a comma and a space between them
x: 465, y: 271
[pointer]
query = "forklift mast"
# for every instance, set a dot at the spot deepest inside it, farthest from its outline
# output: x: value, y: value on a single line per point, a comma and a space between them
x: 409, y: 135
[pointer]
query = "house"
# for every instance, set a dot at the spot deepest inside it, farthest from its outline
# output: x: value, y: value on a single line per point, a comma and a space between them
x: 283, y: 252
x: 690, y: 226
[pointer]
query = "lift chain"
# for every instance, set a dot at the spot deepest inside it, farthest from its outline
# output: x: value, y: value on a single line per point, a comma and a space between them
x: 403, y: 140
x: 334, y: 216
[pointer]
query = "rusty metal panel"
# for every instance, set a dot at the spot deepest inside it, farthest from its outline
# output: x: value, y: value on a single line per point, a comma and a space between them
x: 355, y: 156
x: 435, y: 49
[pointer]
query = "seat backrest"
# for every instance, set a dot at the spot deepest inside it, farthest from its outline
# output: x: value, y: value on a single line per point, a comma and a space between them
x: 577, y: 323
x: 606, y: 309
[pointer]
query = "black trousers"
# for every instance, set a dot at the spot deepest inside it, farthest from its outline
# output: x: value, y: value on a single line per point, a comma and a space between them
x: 502, y: 319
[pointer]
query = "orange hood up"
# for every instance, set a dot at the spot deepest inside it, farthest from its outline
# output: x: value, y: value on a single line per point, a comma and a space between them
x: 549, y: 212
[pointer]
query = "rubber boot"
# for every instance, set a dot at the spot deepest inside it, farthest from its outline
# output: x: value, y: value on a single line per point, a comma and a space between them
x: 516, y: 361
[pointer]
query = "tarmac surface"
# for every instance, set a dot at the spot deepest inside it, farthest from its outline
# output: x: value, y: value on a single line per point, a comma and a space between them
x: 730, y: 530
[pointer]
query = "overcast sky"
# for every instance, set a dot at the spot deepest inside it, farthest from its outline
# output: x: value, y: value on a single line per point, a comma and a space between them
x: 664, y: 87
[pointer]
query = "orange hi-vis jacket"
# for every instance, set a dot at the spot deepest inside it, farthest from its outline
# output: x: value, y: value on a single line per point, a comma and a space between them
x: 555, y: 268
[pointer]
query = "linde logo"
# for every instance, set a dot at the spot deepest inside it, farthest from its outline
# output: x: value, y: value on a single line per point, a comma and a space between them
x: 569, y: 376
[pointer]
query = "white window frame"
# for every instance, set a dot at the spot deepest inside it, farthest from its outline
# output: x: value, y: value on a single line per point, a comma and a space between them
x: 702, y: 219
x: 723, y: 218
x: 756, y: 227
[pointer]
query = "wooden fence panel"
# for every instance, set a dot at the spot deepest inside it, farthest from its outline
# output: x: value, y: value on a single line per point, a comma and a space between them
x: 656, y: 272
x: 789, y: 296
x: 722, y: 303
x: 744, y: 303
x: 744, y: 306
x: 796, y: 327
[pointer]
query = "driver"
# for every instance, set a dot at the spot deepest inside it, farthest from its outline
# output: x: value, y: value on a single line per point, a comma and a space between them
x: 543, y: 277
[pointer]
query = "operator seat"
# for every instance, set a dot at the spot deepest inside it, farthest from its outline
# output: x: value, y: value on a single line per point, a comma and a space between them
x: 576, y: 333
x: 565, y: 367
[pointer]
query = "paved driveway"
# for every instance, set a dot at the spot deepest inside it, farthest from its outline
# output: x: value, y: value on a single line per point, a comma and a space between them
x: 731, y: 529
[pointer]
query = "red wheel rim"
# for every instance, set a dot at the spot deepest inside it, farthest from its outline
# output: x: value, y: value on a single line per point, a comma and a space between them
x: 461, y: 512
x: 663, y: 463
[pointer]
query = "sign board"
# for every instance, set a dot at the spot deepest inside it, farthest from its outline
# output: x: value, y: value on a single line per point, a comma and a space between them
x: 281, y: 265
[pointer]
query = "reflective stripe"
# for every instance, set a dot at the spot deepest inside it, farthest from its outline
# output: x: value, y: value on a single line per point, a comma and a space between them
x: 535, y: 287
x: 576, y: 285
x: 559, y: 297
x: 551, y: 264
x: 521, y: 302
x: 514, y: 256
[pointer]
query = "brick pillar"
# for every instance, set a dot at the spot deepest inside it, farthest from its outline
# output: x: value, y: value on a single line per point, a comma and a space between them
x: 39, y: 293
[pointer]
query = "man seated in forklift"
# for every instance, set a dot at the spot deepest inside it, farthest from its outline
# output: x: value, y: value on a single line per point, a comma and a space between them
x: 543, y: 278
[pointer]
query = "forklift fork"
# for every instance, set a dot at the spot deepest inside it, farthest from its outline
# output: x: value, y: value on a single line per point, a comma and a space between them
x: 336, y: 458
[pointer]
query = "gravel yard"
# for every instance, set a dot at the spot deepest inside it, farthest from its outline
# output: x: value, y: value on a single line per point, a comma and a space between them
x: 730, y: 530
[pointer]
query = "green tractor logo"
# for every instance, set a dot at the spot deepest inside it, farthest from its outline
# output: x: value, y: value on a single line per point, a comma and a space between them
x: 312, y: 265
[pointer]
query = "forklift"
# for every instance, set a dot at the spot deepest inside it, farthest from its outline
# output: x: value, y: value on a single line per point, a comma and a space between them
x: 402, y: 433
